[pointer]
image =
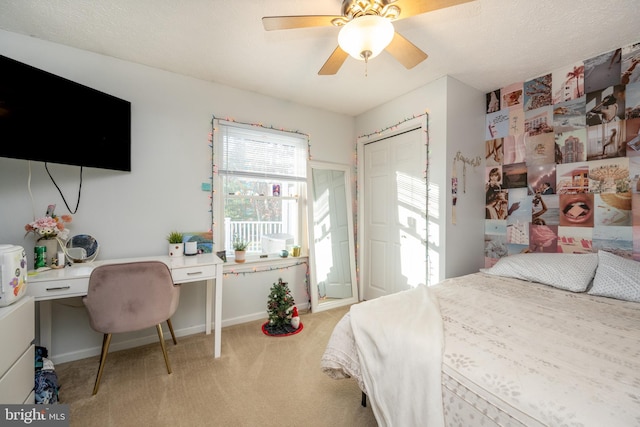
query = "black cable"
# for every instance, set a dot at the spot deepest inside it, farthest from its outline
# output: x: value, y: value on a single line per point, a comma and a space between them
x: 60, y: 191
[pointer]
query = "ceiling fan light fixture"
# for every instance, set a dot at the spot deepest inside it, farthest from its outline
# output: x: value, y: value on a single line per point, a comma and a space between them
x: 365, y: 37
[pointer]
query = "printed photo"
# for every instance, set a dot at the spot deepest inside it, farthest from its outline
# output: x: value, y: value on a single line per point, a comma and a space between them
x: 632, y: 101
x: 617, y: 240
x: 569, y: 115
x: 571, y: 146
x: 542, y: 179
x: 612, y: 209
x: 514, y: 150
x: 497, y: 125
x: 605, y: 141
x: 568, y: 82
x: 512, y: 96
x: 630, y: 59
x: 493, y: 101
x: 545, y: 210
x: 609, y: 176
x: 519, y: 207
x: 575, y: 240
x: 514, y: 175
x: 540, y: 149
x: 576, y: 210
x: 494, y: 151
x: 602, y: 71
x: 572, y: 178
x: 537, y: 93
x: 516, y: 121
x: 606, y: 105
x: 543, y: 238
x: 538, y: 121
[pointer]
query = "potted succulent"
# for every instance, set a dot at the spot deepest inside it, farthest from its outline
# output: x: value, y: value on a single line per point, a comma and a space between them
x: 176, y: 246
x: 240, y: 248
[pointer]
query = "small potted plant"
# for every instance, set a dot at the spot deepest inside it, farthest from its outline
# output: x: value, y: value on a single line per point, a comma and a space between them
x: 240, y: 248
x: 176, y: 246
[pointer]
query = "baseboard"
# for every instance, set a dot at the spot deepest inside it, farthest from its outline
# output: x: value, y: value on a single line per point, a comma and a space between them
x: 153, y: 337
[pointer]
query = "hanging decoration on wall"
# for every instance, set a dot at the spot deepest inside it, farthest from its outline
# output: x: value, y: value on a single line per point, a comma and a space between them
x: 454, y: 178
x: 563, y: 160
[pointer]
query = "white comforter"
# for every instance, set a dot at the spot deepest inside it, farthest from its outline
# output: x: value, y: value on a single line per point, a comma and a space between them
x: 399, y: 341
x: 516, y: 354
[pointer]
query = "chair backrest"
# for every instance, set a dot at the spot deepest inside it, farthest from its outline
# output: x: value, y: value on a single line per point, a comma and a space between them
x: 130, y: 296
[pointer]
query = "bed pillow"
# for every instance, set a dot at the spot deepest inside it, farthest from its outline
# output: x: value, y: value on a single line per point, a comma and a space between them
x: 571, y: 272
x: 616, y: 277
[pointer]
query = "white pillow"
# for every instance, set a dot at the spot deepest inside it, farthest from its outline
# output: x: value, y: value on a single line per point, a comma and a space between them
x: 616, y: 277
x: 571, y: 272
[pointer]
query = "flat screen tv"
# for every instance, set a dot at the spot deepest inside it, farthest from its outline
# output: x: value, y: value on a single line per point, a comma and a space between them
x: 48, y: 118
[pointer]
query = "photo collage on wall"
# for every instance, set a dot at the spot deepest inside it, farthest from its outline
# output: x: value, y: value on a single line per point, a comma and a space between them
x: 563, y: 160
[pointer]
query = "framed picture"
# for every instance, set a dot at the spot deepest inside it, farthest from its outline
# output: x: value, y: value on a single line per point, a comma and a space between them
x: 222, y: 255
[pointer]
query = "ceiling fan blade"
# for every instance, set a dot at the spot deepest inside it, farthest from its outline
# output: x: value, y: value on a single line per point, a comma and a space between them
x: 289, y: 22
x: 334, y: 62
x: 410, y: 8
x: 405, y: 52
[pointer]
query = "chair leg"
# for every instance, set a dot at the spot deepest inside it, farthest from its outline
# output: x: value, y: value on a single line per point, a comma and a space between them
x: 106, y: 340
x: 164, y: 348
x: 173, y: 335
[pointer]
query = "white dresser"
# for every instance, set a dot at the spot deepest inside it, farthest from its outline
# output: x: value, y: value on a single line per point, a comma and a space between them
x: 17, y: 332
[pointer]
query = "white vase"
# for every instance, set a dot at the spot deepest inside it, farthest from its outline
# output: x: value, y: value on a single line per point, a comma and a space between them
x: 52, y: 250
x: 176, y: 250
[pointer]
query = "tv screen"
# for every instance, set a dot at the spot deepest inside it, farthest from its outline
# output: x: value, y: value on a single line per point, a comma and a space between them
x: 48, y: 118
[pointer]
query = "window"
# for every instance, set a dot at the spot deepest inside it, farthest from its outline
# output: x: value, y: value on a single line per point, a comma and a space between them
x: 260, y: 185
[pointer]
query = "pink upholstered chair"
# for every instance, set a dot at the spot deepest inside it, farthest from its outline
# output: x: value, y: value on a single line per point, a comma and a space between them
x: 129, y: 297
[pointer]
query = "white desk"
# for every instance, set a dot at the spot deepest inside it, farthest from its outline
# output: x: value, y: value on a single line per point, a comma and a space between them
x: 73, y: 281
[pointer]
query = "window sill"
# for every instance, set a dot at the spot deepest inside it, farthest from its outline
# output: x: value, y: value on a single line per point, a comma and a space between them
x: 255, y: 261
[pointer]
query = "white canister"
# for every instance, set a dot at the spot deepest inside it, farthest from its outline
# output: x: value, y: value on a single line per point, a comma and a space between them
x: 190, y: 248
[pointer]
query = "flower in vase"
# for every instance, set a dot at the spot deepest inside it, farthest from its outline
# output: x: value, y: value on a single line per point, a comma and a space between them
x: 49, y: 227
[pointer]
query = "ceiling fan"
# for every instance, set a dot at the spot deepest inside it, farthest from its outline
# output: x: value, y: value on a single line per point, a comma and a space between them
x: 366, y: 29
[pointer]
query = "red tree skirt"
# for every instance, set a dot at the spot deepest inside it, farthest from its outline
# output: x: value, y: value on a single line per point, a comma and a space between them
x: 280, y: 331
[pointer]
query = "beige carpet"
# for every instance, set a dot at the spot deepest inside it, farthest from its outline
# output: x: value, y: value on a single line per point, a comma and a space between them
x: 258, y: 381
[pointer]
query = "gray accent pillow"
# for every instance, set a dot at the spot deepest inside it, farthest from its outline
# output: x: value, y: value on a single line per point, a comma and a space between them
x: 571, y: 272
x: 616, y: 277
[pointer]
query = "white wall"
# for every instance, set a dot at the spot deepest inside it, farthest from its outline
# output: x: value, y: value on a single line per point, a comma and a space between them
x: 131, y: 213
x: 455, y: 123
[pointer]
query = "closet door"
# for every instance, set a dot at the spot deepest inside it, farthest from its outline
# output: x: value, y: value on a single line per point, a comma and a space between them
x: 394, y: 214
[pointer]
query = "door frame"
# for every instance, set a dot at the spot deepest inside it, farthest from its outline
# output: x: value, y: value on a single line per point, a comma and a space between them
x: 417, y: 122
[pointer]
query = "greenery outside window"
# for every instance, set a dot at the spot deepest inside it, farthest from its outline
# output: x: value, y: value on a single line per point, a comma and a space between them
x: 259, y: 188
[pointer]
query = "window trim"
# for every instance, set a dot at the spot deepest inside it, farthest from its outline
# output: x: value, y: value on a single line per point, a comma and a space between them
x: 218, y: 196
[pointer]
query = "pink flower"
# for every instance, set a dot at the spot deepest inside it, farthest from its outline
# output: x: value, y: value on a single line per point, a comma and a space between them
x: 49, y: 227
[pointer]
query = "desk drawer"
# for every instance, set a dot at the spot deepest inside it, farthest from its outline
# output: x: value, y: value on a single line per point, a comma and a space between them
x: 16, y: 385
x: 58, y: 288
x: 17, y: 330
x: 191, y: 274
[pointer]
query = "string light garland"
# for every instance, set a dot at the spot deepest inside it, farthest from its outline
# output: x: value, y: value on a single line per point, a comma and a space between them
x: 244, y: 271
x: 214, y: 172
x: 214, y: 167
x: 425, y: 177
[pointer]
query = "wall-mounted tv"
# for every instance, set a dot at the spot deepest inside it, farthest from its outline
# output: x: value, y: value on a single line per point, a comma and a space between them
x: 48, y: 118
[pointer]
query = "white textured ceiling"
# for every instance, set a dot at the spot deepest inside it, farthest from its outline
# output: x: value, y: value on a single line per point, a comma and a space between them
x: 485, y: 43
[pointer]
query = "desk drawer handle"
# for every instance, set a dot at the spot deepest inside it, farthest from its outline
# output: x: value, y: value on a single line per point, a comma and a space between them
x: 59, y: 288
x: 194, y: 273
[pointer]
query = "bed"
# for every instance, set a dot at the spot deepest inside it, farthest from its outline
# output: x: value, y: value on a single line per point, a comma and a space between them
x: 536, y: 340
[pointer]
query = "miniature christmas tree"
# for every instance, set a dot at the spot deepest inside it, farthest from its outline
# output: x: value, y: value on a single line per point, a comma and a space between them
x: 280, y: 309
